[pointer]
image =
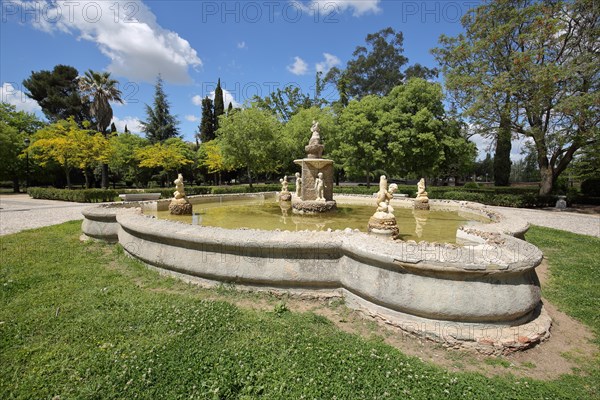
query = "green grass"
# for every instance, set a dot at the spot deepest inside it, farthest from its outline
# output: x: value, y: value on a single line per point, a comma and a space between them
x: 83, y: 321
x: 574, y: 284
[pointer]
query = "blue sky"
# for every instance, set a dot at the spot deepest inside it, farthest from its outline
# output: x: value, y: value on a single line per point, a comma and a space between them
x: 254, y: 47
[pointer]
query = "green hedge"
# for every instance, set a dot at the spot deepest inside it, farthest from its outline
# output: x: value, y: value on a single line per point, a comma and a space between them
x: 79, y: 196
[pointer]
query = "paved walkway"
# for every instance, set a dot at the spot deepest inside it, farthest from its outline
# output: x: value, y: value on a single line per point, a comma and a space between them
x: 584, y: 224
x: 19, y: 212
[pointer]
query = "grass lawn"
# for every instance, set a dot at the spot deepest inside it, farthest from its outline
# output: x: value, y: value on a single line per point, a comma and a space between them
x: 84, y: 321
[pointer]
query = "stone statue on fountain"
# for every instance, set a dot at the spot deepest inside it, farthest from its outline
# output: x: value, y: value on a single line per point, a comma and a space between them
x: 383, y: 222
x: 422, y: 201
x: 180, y: 204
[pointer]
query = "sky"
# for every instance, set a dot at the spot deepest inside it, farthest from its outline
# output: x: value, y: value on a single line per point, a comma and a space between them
x: 253, y: 47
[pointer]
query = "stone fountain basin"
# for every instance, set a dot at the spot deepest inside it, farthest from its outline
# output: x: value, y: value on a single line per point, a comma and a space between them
x: 484, y: 294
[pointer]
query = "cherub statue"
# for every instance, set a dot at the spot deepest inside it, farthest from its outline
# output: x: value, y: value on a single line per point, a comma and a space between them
x: 421, y: 188
x: 320, y: 187
x: 179, y: 190
x: 298, y: 184
x: 384, y: 195
x: 284, y: 184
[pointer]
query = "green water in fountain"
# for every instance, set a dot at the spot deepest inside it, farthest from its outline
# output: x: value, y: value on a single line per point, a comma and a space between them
x: 431, y: 226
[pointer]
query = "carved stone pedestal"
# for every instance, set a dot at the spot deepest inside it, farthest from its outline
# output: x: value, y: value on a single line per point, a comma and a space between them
x: 180, y: 207
x: 384, y: 225
x: 285, y: 196
x: 421, y: 203
x: 313, y: 207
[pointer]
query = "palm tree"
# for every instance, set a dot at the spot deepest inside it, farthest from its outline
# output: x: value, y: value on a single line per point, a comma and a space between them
x: 102, y: 89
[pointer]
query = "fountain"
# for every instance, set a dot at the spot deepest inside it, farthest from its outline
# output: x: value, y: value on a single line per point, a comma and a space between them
x: 480, y: 291
x: 316, y: 182
x: 421, y: 201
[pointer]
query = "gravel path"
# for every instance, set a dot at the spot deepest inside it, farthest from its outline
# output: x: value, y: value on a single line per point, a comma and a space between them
x: 19, y: 212
x: 584, y: 224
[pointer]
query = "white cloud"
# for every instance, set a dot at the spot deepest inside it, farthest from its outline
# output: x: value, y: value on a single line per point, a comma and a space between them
x: 192, y: 118
x: 299, y: 67
x: 329, y: 62
x: 133, y: 124
x: 332, y: 7
x: 10, y: 94
x: 241, y: 45
x: 127, y: 32
x: 227, y: 98
x: 197, y: 100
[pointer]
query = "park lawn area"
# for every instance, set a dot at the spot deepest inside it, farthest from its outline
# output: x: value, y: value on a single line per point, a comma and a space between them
x: 83, y: 320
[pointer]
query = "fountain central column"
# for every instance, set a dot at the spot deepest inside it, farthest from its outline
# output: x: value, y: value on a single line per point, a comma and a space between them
x: 316, y: 193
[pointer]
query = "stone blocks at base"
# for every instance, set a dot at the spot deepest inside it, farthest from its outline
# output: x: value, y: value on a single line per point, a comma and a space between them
x: 180, y: 207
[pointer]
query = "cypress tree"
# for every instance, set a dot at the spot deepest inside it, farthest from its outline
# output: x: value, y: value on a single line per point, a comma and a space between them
x: 219, y: 104
x: 207, y: 123
x: 160, y: 124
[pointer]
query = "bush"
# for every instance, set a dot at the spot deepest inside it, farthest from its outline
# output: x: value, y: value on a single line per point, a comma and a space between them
x: 591, y: 187
x: 79, y: 195
x: 471, y: 185
x: 464, y: 196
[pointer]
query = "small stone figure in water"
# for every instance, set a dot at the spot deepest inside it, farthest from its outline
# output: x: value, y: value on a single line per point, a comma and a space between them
x: 298, y: 184
x: 180, y: 204
x: 284, y: 184
x: 422, y: 201
x: 285, y: 194
x: 421, y: 193
x: 320, y: 187
x: 179, y: 190
x: 384, y: 195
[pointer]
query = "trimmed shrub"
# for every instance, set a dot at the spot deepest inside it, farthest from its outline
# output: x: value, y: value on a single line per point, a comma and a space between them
x: 79, y: 195
x: 471, y: 185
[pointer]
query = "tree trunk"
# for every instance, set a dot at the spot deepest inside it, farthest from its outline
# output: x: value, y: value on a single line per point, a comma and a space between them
x: 104, y: 176
x: 249, y: 177
x: 368, y: 179
x: 16, y: 184
x: 546, y: 181
x: 68, y: 175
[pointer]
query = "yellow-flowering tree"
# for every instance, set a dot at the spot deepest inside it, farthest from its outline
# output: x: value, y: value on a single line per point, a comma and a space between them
x: 212, y: 158
x: 70, y: 146
x: 169, y: 155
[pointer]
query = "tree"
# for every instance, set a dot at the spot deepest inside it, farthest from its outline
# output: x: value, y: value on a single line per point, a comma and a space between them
x: 211, y: 157
x: 70, y: 146
x: 57, y: 93
x: 123, y: 163
x: 362, y: 144
x: 15, y: 127
x: 169, y: 155
x: 249, y: 139
x: 419, y: 71
x: 219, y: 104
x: 160, y: 124
x: 284, y: 103
x: 419, y: 137
x: 207, y: 123
x: 376, y: 68
x: 102, y: 89
x: 533, y: 63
